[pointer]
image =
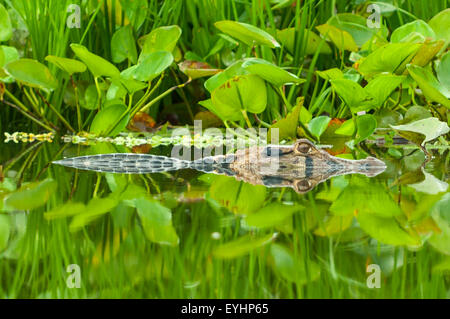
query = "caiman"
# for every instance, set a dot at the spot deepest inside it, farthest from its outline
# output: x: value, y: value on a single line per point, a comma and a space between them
x: 301, y: 166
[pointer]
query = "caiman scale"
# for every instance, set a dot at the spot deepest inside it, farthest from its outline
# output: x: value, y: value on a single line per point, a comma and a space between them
x: 301, y: 166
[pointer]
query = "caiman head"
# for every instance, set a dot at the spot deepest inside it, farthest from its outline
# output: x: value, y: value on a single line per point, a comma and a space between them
x: 301, y: 166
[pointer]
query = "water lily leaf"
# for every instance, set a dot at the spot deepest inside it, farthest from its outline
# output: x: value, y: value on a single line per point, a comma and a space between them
x: 96, y: 64
x: 123, y: 45
x: 272, y: 215
x: 270, y: 72
x: 440, y: 24
x: 443, y: 71
x: 242, y: 246
x: 426, y: 53
x: 66, y: 210
x: 225, y: 114
x: 347, y: 128
x: 247, y: 33
x: 152, y: 66
x: 9, y: 54
x: 71, y: 66
x: 287, y: 127
x: 355, y: 25
x: 357, y: 98
x: 96, y: 208
x: 422, y: 131
x: 334, y: 225
x: 365, y: 126
x: 431, y: 88
x: 407, y: 31
x: 234, y: 195
x: 103, y: 122
x: 415, y: 113
x: 135, y: 10
x: 5, y: 231
x: 195, y: 69
x: 128, y: 82
x: 156, y: 221
x: 31, y: 195
x: 430, y: 185
x: 217, y: 80
x: 6, y: 30
x: 318, y: 125
x: 32, y: 73
x: 342, y: 39
x: 386, y: 230
x: 441, y: 241
x: 382, y: 86
x: 293, y: 270
x: 160, y: 39
x: 245, y: 92
x: 391, y: 58
x: 331, y: 74
x: 287, y: 39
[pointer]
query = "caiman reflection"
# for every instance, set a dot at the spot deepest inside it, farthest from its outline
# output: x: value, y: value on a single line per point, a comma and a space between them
x: 301, y: 166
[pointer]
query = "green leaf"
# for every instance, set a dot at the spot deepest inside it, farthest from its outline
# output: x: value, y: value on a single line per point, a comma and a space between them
x: 136, y: 11
x: 342, y: 39
x: 331, y: 74
x: 440, y: 24
x: 71, y: 66
x: 353, y: 95
x: 66, y: 210
x: 9, y: 54
x: 103, y: 122
x: 417, y: 29
x: 391, y: 58
x: 431, y: 88
x: 217, y: 80
x: 270, y: 72
x: 245, y: 92
x: 287, y: 127
x: 347, y: 128
x: 6, y: 30
x: 31, y: 195
x: 96, y: 64
x: 365, y: 126
x: 441, y: 241
x: 287, y: 39
x: 247, y: 33
x: 224, y: 114
x: 272, y: 215
x: 96, y: 208
x: 242, y: 246
x: 318, y: 125
x: 382, y: 87
x: 32, y: 73
x: 422, y: 131
x: 334, y: 225
x: 196, y: 69
x: 152, y: 66
x: 443, y: 70
x: 386, y: 230
x: 5, y: 231
x: 355, y: 25
x: 430, y: 185
x: 123, y: 45
x: 160, y: 39
x: 156, y: 221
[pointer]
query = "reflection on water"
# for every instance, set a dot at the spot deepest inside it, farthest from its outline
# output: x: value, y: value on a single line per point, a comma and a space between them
x: 186, y: 233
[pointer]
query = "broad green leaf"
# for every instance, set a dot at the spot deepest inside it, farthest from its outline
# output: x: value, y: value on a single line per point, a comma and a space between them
x: 217, y: 80
x: 334, y: 225
x: 31, y: 195
x: 128, y: 82
x: 365, y: 126
x: 123, y: 45
x: 103, y: 122
x: 270, y: 72
x: 272, y: 215
x: 386, y: 230
x: 66, y: 210
x: 331, y: 74
x: 6, y: 30
x: 32, y: 73
x: 357, y: 98
x: 415, y: 113
x: 440, y: 24
x: 90, y: 98
x: 410, y: 30
x: 156, y: 221
x: 247, y: 33
x: 342, y: 39
x: 426, y: 53
x: 440, y: 214
x: 242, y: 246
x: 431, y: 88
x: 96, y: 208
x: 422, y: 131
x: 135, y: 10
x: 355, y: 25
x: 293, y: 270
x: 9, y: 54
x: 225, y: 114
x: 71, y: 66
x: 245, y: 92
x: 287, y: 127
x: 5, y: 231
x: 381, y: 87
x: 287, y: 39
x: 391, y: 58
x: 195, y: 69
x: 152, y: 66
x: 318, y: 125
x: 160, y: 39
x: 347, y: 128
x: 234, y: 195
x: 430, y: 185
x: 96, y: 64
x: 443, y: 71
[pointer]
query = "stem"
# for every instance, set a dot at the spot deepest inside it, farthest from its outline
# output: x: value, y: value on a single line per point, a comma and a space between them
x: 30, y: 116
x: 99, y: 93
x: 77, y: 103
x: 56, y: 112
x: 247, y: 120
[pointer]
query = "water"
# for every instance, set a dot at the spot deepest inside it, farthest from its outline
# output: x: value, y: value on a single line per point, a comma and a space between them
x: 190, y: 234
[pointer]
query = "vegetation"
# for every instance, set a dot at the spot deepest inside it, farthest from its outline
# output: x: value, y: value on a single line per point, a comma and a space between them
x: 325, y: 70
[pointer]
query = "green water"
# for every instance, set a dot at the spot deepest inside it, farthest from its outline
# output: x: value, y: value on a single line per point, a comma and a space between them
x: 187, y: 234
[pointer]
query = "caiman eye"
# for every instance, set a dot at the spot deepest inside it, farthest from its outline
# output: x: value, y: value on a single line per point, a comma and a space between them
x: 303, y: 148
x: 302, y: 186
